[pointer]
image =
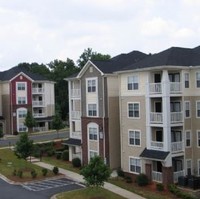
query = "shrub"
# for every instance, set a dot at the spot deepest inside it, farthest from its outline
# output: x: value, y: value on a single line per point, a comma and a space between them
x: 55, y: 170
x: 44, y: 171
x: 65, y: 155
x: 20, y: 173
x: 33, y: 173
x: 50, y: 152
x: 76, y: 162
x: 14, y: 172
x: 142, y: 180
x: 120, y: 172
x: 58, y: 156
x: 128, y: 179
x: 159, y: 187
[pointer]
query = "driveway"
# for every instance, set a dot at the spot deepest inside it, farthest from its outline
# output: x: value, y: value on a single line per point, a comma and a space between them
x: 40, y: 189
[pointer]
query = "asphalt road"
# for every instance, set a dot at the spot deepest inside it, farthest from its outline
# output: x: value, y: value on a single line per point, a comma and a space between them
x: 9, y: 141
x: 10, y: 191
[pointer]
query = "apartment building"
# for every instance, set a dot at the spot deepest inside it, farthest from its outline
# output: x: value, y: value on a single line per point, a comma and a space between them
x: 94, y: 110
x: 20, y: 91
x: 159, y: 100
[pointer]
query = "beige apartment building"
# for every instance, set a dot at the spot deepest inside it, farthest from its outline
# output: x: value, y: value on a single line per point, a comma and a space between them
x: 159, y: 103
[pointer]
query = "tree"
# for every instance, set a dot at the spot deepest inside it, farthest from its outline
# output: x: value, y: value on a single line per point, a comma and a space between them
x: 88, y: 54
x: 24, y: 146
x: 96, y: 172
x: 57, y: 123
x: 29, y: 121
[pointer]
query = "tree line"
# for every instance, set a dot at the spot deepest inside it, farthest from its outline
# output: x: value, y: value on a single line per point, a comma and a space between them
x: 58, y: 70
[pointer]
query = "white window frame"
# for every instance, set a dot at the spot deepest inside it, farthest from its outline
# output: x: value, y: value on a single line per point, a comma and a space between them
x: 133, y: 82
x: 198, y: 138
x: 133, y: 117
x: 21, y: 99
x: 22, y: 112
x: 21, y: 86
x: 92, y: 84
x: 140, y: 164
x: 187, y: 79
x: 186, y: 138
x: 186, y: 163
x: 22, y: 128
x: 189, y: 106
x: 197, y: 109
x: 93, y: 110
x: 134, y: 137
x: 198, y: 79
x: 95, y: 153
x: 93, y: 135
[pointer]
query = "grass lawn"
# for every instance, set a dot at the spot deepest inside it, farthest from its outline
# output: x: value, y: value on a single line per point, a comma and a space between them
x: 60, y: 163
x: 9, y: 162
x: 89, y: 193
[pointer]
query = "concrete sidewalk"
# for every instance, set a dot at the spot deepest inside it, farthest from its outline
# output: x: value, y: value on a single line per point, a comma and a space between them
x: 76, y: 177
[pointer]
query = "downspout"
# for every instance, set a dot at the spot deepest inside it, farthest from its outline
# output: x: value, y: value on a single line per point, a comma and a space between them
x: 104, y: 134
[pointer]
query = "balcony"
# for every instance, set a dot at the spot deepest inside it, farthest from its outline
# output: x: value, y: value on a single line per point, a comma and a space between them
x: 75, y: 93
x: 39, y: 115
x: 157, y: 145
x: 38, y: 103
x: 175, y: 87
x: 39, y: 129
x: 76, y: 115
x: 177, y: 146
x: 176, y: 117
x: 156, y: 176
x: 155, y: 88
x: 37, y: 90
x: 177, y: 174
x: 156, y: 118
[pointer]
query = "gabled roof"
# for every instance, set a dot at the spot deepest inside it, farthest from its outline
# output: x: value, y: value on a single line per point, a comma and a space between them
x: 174, y: 56
x: 9, y: 74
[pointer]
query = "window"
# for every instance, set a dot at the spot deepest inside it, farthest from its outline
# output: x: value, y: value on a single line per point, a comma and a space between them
x: 189, y: 167
x: 22, y: 127
x: 187, y: 84
x: 198, y: 138
x: 135, y: 165
x: 175, y: 106
x: 133, y: 83
x: 134, y: 138
x: 92, y: 110
x: 21, y: 100
x: 188, y: 139
x: 92, y: 153
x: 22, y: 113
x: 187, y: 109
x: 174, y: 77
x: 93, y: 133
x: 198, y: 108
x: 91, y: 85
x: 133, y: 110
x: 198, y: 79
x: 21, y: 86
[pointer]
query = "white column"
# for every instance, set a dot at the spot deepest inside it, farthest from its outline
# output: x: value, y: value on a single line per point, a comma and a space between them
x: 166, y: 111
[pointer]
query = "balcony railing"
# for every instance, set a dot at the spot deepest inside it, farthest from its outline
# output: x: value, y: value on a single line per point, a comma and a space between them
x: 38, y: 129
x: 38, y: 103
x: 177, y: 174
x: 175, y: 87
x: 176, y: 117
x: 155, y: 88
x: 156, y: 118
x: 75, y: 114
x: 37, y: 90
x: 75, y: 93
x: 156, y: 176
x: 39, y: 114
x: 177, y: 146
x: 157, y: 145
x: 76, y: 135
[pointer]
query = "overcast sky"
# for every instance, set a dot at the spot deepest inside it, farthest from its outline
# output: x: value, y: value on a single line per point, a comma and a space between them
x: 43, y: 30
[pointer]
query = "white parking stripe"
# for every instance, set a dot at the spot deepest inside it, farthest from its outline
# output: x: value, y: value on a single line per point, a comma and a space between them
x: 47, y: 184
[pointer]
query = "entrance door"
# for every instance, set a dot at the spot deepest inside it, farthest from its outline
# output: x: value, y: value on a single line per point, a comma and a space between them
x: 158, y: 107
x: 157, y: 78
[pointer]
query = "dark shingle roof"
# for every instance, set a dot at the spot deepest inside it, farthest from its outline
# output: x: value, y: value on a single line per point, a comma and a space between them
x: 174, y: 56
x: 120, y: 61
x: 72, y: 141
x: 154, y: 154
x: 9, y: 74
